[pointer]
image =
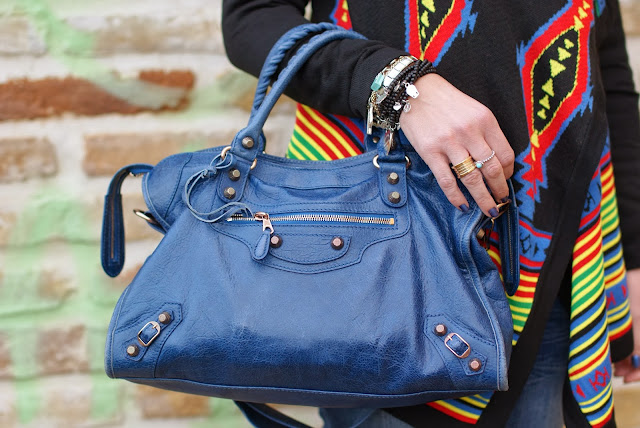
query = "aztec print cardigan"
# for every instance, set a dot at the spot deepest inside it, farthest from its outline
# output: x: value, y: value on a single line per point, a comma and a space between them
x: 556, y: 76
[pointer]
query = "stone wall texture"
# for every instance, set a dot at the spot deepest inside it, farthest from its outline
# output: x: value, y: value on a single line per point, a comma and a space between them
x: 86, y: 87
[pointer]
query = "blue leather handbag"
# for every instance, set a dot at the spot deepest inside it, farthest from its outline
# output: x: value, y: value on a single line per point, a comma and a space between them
x: 351, y: 283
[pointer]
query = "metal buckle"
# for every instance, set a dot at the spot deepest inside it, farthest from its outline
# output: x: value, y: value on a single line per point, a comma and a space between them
x: 156, y: 326
x: 465, y: 354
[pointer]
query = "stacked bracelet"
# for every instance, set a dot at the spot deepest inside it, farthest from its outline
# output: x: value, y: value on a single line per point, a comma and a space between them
x: 391, y: 90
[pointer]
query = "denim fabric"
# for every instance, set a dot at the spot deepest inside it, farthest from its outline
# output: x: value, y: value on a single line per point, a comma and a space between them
x: 539, y: 405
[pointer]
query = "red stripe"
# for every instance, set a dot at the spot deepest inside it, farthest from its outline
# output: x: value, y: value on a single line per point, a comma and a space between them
x: 535, y: 232
x: 339, y: 130
x: 604, y: 422
x: 329, y: 138
x: 590, y: 366
x: 322, y: 144
x: 620, y: 333
x: 444, y: 33
x: 587, y: 219
x: 452, y: 413
x: 351, y: 126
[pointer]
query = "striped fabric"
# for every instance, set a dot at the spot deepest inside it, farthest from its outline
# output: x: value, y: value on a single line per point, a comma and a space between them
x: 599, y: 307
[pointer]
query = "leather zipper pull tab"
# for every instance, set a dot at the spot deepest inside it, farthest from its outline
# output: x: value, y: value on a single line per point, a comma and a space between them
x: 262, y: 247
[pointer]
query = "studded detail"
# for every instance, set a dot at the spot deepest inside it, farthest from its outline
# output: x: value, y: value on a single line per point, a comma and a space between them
x: 234, y: 174
x: 229, y: 193
x: 393, y: 178
x: 440, y: 329
x: 164, y: 318
x: 394, y: 197
x: 475, y: 364
x: 275, y: 241
x: 337, y: 243
x: 133, y: 350
x: 247, y: 143
x: 375, y: 139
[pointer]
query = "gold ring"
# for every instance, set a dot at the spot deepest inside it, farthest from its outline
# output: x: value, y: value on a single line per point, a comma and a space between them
x: 465, y: 167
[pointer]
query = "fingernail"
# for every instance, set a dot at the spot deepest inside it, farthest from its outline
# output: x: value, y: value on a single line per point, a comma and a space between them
x: 635, y: 361
x: 504, y: 200
x: 493, y: 212
x: 464, y: 208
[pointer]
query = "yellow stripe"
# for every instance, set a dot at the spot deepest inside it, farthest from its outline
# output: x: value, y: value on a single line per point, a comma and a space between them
x: 609, y: 278
x: 520, y: 310
x: 596, y: 277
x: 601, y: 402
x: 595, y: 336
x: 585, y: 304
x: 603, y: 417
x: 613, y: 242
x: 624, y: 326
x: 310, y: 140
x: 582, y: 241
x: 519, y: 317
x: 303, y: 149
x: 475, y: 402
x: 613, y: 259
x: 590, y: 362
x: 295, y: 152
x: 323, y: 122
x: 458, y: 410
x: 618, y: 313
x: 319, y: 135
x: 527, y: 277
x: 526, y: 300
x: 609, y: 228
x: 594, y: 399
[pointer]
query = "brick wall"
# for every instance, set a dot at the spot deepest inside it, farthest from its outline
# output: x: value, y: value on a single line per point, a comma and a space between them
x: 86, y: 87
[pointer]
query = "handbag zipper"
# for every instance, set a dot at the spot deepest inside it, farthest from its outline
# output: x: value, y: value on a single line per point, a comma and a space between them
x: 267, y: 220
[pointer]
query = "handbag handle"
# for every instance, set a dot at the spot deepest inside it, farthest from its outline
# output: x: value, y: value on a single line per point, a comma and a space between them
x: 277, y: 54
x: 258, y: 119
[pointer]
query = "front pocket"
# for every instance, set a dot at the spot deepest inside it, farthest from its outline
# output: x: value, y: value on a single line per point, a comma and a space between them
x: 313, y: 241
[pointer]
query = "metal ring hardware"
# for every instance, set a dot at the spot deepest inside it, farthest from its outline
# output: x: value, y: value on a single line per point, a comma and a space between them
x: 502, y: 208
x: 465, y: 354
x: 377, y: 165
x: 156, y: 326
x: 223, y: 154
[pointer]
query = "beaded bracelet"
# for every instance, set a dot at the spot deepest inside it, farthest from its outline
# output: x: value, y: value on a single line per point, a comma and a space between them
x: 391, y: 90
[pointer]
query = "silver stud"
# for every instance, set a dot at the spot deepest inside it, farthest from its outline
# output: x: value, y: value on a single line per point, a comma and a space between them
x: 337, y: 243
x: 275, y: 241
x: 247, y: 143
x: 234, y: 174
x: 393, y: 178
x: 229, y: 193
x: 440, y: 329
x: 475, y: 364
x: 133, y: 350
x: 164, y: 318
x: 394, y: 197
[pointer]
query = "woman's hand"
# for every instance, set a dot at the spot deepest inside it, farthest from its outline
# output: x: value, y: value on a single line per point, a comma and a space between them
x: 625, y: 368
x: 445, y: 126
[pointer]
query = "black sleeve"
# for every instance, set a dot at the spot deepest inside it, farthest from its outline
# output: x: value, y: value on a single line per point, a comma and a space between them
x: 624, y: 126
x: 336, y: 79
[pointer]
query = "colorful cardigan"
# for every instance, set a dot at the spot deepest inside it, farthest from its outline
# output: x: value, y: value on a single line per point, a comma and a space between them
x: 599, y: 305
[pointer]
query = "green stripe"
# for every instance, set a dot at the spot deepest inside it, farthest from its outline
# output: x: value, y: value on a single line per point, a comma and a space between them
x: 303, y: 141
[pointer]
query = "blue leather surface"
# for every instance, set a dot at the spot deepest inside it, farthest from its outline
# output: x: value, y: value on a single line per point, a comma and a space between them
x: 306, y: 323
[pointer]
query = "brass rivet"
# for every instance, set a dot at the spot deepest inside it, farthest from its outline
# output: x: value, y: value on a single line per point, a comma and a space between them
x: 440, y: 329
x: 480, y: 234
x: 376, y: 139
x: 337, y: 243
x: 275, y: 241
x: 229, y: 193
x: 234, y: 174
x: 247, y: 142
x: 393, y: 178
x: 394, y: 197
x: 164, y: 318
x: 133, y: 350
x: 475, y: 364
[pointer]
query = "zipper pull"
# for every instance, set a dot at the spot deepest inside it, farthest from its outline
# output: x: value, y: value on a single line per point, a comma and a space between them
x: 262, y: 247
